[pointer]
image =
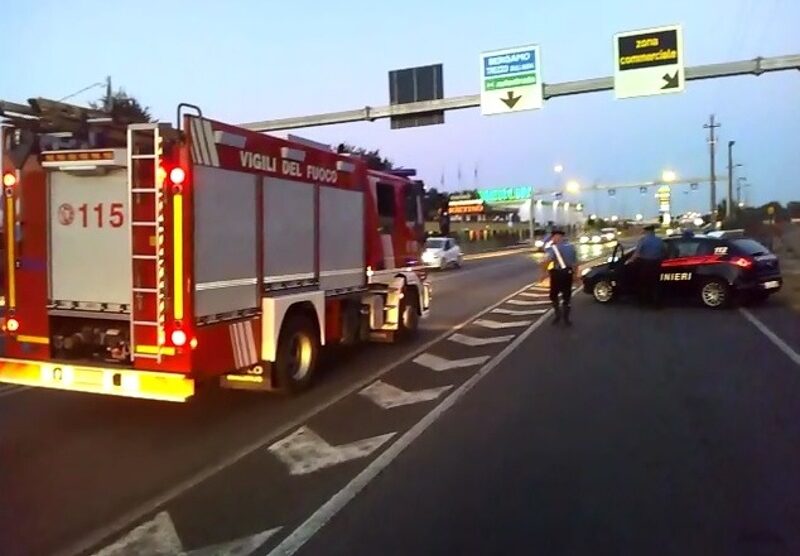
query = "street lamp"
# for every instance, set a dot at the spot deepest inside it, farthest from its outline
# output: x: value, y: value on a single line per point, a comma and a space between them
x: 668, y: 176
x: 558, y: 168
x: 614, y: 218
x: 639, y: 217
x: 573, y: 187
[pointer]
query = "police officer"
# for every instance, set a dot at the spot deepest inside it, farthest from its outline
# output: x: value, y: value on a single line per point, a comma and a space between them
x: 561, y: 260
x: 648, y: 256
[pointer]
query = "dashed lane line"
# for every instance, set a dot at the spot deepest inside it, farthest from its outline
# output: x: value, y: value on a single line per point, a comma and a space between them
x: 528, y: 303
x: 497, y: 325
x: 472, y: 341
x: 518, y: 313
x: 436, y: 363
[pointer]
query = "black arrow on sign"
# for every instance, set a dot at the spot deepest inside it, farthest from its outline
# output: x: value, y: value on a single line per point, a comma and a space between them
x: 511, y: 100
x: 671, y: 81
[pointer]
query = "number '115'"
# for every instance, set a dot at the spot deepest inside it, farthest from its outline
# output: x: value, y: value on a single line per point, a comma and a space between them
x: 116, y: 215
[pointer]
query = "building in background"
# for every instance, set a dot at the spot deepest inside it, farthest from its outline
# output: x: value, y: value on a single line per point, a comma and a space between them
x: 513, y: 205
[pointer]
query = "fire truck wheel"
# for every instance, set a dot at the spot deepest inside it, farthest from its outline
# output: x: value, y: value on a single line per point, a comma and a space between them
x: 298, y: 351
x: 409, y: 313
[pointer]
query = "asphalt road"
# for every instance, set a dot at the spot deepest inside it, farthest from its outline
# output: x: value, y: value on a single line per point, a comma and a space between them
x: 673, y: 432
x: 77, y: 471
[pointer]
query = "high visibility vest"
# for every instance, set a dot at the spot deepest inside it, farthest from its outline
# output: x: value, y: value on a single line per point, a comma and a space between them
x: 561, y: 264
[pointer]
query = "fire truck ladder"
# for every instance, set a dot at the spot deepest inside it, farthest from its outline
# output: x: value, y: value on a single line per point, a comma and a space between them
x: 147, y: 236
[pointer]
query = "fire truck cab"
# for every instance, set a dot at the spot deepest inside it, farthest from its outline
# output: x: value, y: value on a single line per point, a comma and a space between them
x: 144, y: 260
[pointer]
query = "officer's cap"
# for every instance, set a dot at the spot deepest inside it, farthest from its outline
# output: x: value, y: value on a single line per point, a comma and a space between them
x: 650, y: 227
x: 557, y: 231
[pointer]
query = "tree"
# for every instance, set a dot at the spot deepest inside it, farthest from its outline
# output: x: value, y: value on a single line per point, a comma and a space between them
x: 122, y: 106
x: 373, y: 157
x: 434, y: 202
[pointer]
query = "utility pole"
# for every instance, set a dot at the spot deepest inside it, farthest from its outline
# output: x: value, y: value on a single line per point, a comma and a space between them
x: 711, y: 126
x: 729, y: 204
x: 531, y: 219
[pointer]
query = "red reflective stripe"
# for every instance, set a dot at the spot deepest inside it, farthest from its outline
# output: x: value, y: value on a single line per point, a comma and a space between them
x: 691, y: 261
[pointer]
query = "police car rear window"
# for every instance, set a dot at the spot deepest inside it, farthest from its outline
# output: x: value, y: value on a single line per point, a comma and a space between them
x: 749, y: 247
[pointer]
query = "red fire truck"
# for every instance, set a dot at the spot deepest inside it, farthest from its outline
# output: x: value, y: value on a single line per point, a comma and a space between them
x: 146, y: 260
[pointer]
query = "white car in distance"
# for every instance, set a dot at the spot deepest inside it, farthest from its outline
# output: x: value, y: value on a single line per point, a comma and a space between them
x: 608, y: 234
x: 442, y: 253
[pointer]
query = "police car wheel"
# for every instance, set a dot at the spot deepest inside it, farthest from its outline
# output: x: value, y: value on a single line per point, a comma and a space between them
x: 603, y: 291
x: 715, y: 294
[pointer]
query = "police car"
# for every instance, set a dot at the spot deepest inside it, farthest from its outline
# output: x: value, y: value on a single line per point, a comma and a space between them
x: 714, y: 270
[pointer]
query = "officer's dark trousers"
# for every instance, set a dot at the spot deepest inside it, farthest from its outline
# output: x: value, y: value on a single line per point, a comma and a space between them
x: 561, y: 283
x: 649, y: 281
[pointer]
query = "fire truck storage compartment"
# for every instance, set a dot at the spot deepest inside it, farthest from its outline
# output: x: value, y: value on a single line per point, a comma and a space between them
x: 225, y: 261
x: 341, y: 238
x: 289, y: 232
x: 90, y: 251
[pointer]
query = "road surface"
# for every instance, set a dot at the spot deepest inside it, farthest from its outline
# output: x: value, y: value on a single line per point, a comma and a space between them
x: 78, y: 468
x: 634, y: 432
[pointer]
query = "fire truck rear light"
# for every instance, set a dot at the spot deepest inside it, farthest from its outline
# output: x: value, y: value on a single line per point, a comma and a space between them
x: 742, y: 262
x: 193, y: 343
x: 177, y: 175
x: 12, y: 324
x: 9, y: 179
x: 178, y: 338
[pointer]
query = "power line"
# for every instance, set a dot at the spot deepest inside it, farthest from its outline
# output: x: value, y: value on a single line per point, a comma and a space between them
x: 92, y: 86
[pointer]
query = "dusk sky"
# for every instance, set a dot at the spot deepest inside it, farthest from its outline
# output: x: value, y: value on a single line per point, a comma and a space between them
x: 244, y: 61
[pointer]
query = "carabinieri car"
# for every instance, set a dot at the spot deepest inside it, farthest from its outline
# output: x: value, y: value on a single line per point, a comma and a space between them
x: 714, y: 270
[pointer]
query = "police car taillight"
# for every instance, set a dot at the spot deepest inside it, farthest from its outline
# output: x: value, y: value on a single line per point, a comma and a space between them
x: 742, y: 262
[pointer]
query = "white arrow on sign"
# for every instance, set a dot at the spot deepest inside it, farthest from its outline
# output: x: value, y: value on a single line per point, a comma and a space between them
x: 387, y: 396
x: 518, y: 313
x: 527, y: 303
x: 436, y: 363
x: 158, y: 537
x: 494, y: 325
x: 472, y: 341
x: 304, y: 451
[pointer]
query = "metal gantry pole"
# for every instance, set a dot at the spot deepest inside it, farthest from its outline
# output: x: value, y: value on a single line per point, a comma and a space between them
x: 756, y: 66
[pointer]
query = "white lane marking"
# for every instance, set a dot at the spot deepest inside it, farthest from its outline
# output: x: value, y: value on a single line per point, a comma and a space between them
x: 472, y: 341
x: 388, y: 396
x: 534, y: 294
x: 469, y: 271
x: 527, y: 303
x: 121, y: 522
x: 495, y: 325
x: 493, y: 254
x: 158, y: 537
x: 436, y: 363
x: 327, y: 511
x: 774, y: 338
x: 518, y: 313
x: 304, y: 451
x: 12, y: 389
